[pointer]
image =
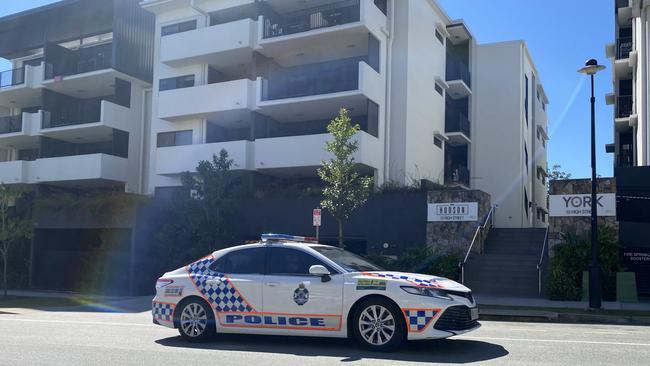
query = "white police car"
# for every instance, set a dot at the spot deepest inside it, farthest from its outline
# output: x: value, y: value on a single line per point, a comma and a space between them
x: 285, y: 285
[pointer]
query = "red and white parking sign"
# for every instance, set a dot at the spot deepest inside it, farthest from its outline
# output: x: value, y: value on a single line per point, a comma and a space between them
x: 316, y: 216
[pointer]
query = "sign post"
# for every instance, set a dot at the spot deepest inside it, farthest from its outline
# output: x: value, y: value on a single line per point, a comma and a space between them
x: 316, y: 220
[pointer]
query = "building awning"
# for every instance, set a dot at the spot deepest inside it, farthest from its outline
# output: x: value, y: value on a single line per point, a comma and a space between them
x: 58, y: 22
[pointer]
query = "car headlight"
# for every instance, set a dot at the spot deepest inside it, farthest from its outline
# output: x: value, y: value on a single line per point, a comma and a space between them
x: 426, y: 291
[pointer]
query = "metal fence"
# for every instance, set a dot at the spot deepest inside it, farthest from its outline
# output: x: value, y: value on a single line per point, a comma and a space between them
x: 10, y: 124
x: 12, y: 77
x: 313, y: 18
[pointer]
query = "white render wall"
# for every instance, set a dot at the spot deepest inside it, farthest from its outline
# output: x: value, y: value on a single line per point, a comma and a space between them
x: 502, y: 132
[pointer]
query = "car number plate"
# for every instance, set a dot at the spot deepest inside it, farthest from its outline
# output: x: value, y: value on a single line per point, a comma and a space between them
x: 474, y: 313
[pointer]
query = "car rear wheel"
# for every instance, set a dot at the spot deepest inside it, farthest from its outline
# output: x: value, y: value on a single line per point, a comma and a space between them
x: 379, y: 325
x: 196, y: 321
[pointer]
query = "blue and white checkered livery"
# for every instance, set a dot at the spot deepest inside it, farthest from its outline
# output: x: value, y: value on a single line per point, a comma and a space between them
x: 223, y: 296
x: 419, y: 319
x: 162, y: 311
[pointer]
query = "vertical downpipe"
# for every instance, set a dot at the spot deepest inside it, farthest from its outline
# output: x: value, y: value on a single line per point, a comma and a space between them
x: 387, y: 99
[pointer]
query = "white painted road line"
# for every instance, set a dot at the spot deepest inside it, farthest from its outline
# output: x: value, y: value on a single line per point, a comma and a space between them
x: 553, y: 341
x: 76, y: 322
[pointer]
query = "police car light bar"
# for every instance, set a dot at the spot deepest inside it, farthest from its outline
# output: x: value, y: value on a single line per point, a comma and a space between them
x: 280, y: 237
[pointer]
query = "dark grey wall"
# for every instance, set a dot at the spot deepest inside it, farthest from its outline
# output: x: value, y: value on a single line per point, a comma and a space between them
x: 133, y: 39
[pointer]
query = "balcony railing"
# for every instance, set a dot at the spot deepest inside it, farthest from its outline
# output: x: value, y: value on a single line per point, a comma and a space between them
x: 624, y: 46
x: 459, y: 71
x: 314, y: 18
x: 624, y: 106
x: 12, y: 77
x: 457, y: 122
x: 325, y: 78
x: 458, y: 175
x: 86, y: 113
x: 97, y: 58
x: 11, y: 124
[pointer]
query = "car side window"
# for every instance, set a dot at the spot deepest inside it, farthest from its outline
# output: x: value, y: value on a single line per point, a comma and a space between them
x: 287, y: 261
x: 244, y: 261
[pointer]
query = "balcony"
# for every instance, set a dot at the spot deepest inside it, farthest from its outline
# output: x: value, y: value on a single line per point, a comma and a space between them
x: 20, y: 87
x: 226, y: 100
x: 458, y: 175
x: 95, y: 122
x: 91, y: 167
x: 13, y: 172
x: 457, y: 128
x: 624, y: 46
x: 624, y: 106
x: 330, y: 15
x: 11, y: 78
x: 317, y: 92
x: 328, y: 32
x: 281, y: 152
x: 220, y: 45
x: 459, y: 79
x: 20, y: 131
x: 179, y: 159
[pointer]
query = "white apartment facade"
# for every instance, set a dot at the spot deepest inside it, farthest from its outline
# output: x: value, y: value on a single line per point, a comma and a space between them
x: 72, y: 108
x: 629, y: 56
x: 512, y: 131
x: 261, y: 79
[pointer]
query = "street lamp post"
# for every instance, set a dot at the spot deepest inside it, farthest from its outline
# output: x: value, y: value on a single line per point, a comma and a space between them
x: 591, y: 68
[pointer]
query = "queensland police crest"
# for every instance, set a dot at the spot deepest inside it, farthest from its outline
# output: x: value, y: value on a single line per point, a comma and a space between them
x: 301, y: 295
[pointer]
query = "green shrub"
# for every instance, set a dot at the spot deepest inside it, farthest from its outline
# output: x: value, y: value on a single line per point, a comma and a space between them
x: 572, y: 257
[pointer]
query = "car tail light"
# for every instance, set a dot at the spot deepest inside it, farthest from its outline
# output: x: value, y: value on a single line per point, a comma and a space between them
x: 162, y: 282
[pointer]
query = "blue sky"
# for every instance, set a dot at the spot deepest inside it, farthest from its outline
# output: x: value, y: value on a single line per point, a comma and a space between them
x: 561, y: 35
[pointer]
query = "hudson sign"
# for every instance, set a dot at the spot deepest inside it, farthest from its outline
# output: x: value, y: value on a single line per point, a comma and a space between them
x: 460, y: 211
x: 580, y: 204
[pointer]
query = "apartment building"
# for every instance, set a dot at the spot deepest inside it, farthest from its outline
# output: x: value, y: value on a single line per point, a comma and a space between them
x: 631, y: 128
x: 512, y: 131
x: 629, y: 56
x: 72, y: 113
x: 266, y: 91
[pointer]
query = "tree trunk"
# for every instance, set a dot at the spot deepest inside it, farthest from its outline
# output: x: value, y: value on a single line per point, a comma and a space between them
x: 340, y: 222
x: 4, y: 269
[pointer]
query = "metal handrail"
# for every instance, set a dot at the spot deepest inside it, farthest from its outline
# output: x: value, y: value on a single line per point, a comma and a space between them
x: 539, y: 264
x: 479, y: 230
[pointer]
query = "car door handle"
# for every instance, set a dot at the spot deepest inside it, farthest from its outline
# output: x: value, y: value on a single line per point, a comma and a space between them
x: 213, y: 282
x: 273, y: 284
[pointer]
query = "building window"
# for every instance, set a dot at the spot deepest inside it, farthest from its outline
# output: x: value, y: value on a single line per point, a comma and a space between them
x: 437, y: 141
x: 526, y: 99
x: 185, y: 81
x: 373, y: 52
x: 382, y: 5
x: 526, y: 202
x: 440, y: 37
x: 526, y: 155
x: 174, y: 138
x: 440, y: 90
x: 178, y: 28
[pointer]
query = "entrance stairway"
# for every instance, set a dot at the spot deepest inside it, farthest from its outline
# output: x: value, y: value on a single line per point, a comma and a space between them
x: 508, y: 266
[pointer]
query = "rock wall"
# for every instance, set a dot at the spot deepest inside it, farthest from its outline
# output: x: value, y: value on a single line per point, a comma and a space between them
x: 577, y: 225
x: 455, y: 237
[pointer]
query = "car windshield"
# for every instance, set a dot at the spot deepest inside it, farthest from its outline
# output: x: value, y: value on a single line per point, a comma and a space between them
x: 349, y: 261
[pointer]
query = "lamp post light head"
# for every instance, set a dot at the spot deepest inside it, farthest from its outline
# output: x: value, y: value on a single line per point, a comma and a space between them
x: 591, y: 67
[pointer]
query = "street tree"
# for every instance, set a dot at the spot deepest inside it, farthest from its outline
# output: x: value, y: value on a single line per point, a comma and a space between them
x: 345, y: 190
x: 556, y: 173
x: 13, y: 228
x: 202, y: 211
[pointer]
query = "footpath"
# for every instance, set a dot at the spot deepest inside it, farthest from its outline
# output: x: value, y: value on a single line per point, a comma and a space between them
x: 503, y: 308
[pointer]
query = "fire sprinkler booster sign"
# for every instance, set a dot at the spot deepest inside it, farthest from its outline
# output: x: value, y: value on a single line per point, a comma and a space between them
x: 580, y: 205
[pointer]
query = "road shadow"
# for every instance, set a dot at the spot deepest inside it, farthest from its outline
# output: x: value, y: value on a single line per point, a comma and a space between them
x: 453, y: 351
x: 79, y: 303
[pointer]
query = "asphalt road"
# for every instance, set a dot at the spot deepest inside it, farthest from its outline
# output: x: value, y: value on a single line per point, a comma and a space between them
x: 86, y: 336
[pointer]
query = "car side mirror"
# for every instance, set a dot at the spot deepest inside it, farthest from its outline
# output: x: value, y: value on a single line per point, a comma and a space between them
x: 320, y: 271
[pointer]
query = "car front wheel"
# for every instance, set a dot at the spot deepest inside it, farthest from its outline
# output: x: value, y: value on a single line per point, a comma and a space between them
x: 379, y: 325
x: 196, y: 322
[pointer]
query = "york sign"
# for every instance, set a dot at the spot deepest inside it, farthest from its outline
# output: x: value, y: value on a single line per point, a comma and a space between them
x: 580, y: 205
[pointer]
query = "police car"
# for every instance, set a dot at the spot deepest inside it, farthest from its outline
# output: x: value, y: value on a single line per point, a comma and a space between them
x: 288, y: 285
